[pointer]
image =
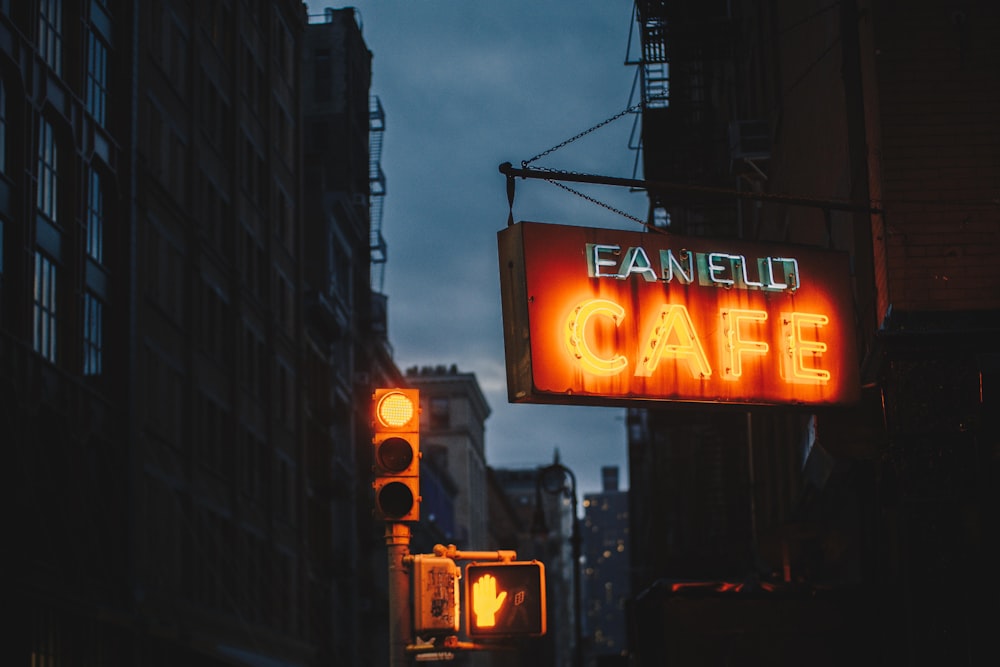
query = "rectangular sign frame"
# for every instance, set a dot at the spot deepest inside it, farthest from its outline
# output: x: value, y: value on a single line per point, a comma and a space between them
x: 595, y: 316
x: 514, y: 599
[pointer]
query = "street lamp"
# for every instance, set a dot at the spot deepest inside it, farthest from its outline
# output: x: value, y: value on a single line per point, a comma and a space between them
x: 557, y: 479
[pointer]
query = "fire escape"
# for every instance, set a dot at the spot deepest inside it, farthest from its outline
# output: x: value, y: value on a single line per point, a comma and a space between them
x: 376, y: 192
x: 687, y: 56
x: 687, y: 53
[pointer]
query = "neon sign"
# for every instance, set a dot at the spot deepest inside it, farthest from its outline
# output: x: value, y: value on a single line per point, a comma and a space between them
x: 596, y: 316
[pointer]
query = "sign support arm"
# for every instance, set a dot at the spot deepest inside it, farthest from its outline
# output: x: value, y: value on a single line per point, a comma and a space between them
x: 508, y: 170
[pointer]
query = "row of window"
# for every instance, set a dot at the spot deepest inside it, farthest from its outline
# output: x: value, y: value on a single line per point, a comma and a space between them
x: 165, y: 387
x: 163, y: 258
x: 48, y: 257
x: 220, y: 449
x: 232, y: 568
x: 50, y: 37
x: 49, y: 260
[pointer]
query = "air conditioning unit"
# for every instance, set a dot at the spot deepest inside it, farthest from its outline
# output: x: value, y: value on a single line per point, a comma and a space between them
x: 749, y: 140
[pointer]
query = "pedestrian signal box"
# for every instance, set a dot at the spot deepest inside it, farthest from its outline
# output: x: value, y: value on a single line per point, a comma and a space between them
x: 505, y: 599
x: 435, y: 595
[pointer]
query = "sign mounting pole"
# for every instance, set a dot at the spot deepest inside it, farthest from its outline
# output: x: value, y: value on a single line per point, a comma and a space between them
x: 397, y: 545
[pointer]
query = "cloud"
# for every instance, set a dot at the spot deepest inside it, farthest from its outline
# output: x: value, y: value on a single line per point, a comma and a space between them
x: 466, y: 86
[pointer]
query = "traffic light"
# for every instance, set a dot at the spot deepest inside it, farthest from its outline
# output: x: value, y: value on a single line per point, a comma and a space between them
x: 435, y: 595
x: 505, y: 599
x: 396, y: 454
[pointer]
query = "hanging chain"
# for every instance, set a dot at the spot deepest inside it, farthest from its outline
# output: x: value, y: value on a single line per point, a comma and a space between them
x: 631, y: 109
x: 595, y: 201
x: 525, y: 163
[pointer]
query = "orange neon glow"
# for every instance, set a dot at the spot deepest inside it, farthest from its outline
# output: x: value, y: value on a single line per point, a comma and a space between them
x: 486, y: 600
x: 798, y: 348
x: 734, y: 344
x: 676, y: 338
x: 598, y: 316
x: 576, y: 336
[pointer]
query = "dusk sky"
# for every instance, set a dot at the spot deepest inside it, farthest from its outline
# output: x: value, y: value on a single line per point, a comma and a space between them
x: 466, y: 86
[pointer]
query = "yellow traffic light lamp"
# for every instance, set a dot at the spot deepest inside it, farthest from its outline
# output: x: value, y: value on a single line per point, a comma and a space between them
x: 396, y: 454
x: 505, y: 599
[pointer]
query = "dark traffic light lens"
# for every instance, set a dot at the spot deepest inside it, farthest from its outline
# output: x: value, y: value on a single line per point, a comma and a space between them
x: 395, y: 499
x: 395, y: 454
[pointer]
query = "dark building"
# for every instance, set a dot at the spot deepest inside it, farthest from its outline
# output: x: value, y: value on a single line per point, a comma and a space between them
x: 855, y: 534
x: 189, y: 338
x: 606, y: 585
x: 346, y: 332
x: 542, y: 533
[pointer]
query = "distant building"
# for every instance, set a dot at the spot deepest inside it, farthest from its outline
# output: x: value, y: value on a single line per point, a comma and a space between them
x: 453, y: 424
x: 606, y: 572
x: 543, y: 536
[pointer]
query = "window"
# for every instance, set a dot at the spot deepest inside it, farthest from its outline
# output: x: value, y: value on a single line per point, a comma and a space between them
x: 212, y: 426
x: 251, y: 460
x: 168, y: 45
x: 50, y: 33
x: 215, y: 215
x: 214, y: 323
x: 97, y: 78
x: 3, y: 168
x: 253, y: 362
x: 322, y: 75
x: 164, y: 543
x: 283, y: 397
x: 45, y: 307
x: 163, y: 270
x: 252, y: 260
x: 284, y: 302
x: 283, y: 49
x: 440, y: 413
x: 165, y: 398
x: 219, y: 25
x: 95, y: 218
x: 47, y: 169
x: 283, y: 228
x: 93, y: 334
x: 215, y: 112
x: 3, y: 128
x: 341, y: 285
x: 253, y: 80
x: 283, y: 139
x: 284, y: 494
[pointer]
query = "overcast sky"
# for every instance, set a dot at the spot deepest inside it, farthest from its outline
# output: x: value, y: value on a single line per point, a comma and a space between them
x: 467, y: 85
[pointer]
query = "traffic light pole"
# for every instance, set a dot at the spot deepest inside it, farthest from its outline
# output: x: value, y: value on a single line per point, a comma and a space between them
x: 397, y: 546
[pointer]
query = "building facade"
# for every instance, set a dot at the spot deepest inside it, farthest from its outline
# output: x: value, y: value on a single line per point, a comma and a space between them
x: 861, y: 127
x: 605, y: 581
x: 189, y: 338
x: 453, y: 432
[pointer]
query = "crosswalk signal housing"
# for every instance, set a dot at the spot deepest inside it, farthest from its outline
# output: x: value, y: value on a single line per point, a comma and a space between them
x: 435, y: 595
x: 396, y: 454
x: 505, y: 599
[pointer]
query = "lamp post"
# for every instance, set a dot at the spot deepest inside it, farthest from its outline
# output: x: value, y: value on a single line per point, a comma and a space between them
x: 557, y: 479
